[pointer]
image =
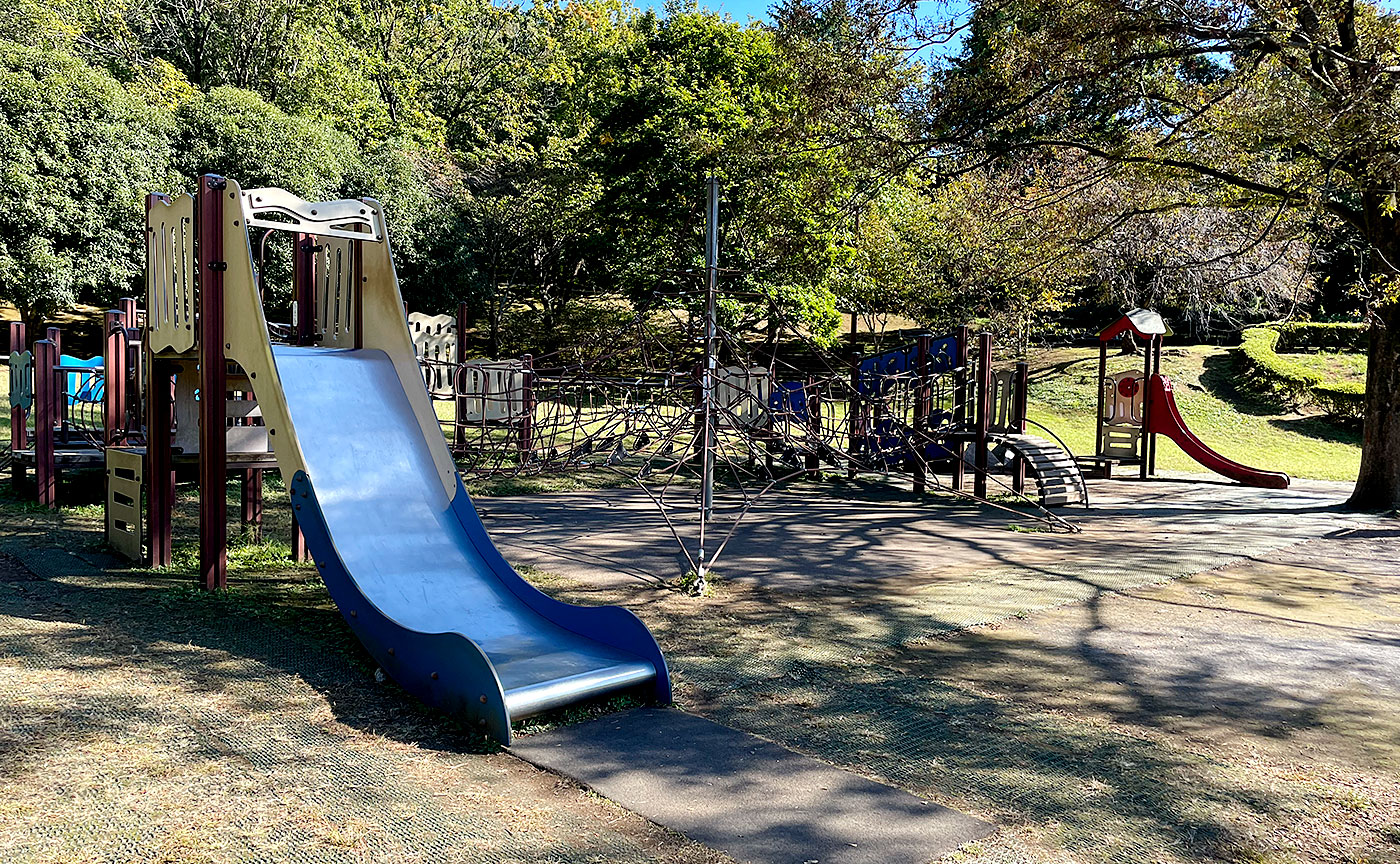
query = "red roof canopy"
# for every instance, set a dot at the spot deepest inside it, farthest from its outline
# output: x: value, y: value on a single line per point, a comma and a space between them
x: 1141, y: 322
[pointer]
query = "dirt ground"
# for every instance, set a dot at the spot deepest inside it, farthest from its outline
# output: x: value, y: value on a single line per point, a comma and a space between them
x: 1239, y: 703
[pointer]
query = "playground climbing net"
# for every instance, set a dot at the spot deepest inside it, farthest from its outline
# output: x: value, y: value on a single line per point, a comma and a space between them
x: 657, y: 404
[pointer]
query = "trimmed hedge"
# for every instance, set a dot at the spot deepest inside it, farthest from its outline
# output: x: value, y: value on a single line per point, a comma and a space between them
x: 1306, y: 334
x: 1294, y: 384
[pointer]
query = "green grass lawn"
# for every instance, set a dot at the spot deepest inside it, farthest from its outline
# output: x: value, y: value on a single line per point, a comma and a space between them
x: 1062, y: 396
x: 1342, y: 365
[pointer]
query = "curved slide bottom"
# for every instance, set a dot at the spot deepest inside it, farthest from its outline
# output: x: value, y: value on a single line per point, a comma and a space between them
x: 1165, y: 419
x: 415, y: 573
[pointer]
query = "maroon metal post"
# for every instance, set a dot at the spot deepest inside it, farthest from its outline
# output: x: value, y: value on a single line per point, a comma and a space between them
x: 1020, y: 391
x: 19, y: 437
x: 304, y: 288
x: 814, y: 422
x: 131, y: 406
x: 1156, y: 348
x: 58, y: 395
x: 854, y: 419
x: 45, y: 380
x: 213, y: 412
x: 960, y: 412
x: 984, y: 412
x: 357, y: 256
x: 1145, y: 438
x: 114, y: 357
x: 923, y: 405
x: 527, y: 407
x: 299, y: 553
x: 160, y: 473
x: 135, y: 358
x: 1103, y: 381
x: 252, y: 500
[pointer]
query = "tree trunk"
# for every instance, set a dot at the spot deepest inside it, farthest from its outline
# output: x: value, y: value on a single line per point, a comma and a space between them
x: 1378, y: 484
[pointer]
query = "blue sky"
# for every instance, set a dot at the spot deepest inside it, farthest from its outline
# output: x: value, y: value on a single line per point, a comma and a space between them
x: 743, y: 10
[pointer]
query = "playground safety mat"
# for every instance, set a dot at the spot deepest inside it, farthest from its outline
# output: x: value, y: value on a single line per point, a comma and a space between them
x: 237, y: 717
x: 216, y: 744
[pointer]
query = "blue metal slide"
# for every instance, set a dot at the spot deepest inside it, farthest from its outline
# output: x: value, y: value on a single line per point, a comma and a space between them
x: 414, y: 572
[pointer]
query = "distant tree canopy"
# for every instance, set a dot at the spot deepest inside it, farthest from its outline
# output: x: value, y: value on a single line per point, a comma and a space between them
x: 537, y: 156
x: 526, y: 156
x: 1230, y: 130
x: 74, y: 145
x: 1030, y: 164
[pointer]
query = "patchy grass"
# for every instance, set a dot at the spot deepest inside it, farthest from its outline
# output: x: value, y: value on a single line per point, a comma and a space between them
x: 1063, y: 397
x: 538, y: 484
x: 1343, y: 365
x: 154, y: 724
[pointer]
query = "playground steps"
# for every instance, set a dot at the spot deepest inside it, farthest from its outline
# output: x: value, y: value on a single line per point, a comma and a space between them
x: 1057, y: 477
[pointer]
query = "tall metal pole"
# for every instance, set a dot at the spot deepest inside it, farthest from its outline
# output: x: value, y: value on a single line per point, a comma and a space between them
x: 710, y: 369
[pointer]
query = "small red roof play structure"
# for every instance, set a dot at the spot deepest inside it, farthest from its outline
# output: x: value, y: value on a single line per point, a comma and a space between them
x: 1143, y: 323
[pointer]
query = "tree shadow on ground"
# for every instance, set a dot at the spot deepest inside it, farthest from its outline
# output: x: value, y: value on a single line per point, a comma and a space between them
x: 1222, y: 376
x: 305, y: 637
x: 852, y: 676
x: 1319, y: 428
x: 211, y: 702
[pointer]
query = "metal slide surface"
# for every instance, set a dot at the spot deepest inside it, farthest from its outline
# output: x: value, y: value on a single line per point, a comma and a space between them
x: 414, y: 572
x: 1166, y: 420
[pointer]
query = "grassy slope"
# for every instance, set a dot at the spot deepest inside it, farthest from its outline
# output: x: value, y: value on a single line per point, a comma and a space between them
x: 1062, y: 396
x: 1345, y: 366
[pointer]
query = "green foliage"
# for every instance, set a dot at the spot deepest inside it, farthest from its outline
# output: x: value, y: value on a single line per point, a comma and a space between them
x: 1296, y: 383
x: 527, y: 157
x: 1346, y: 336
x: 78, y: 152
x: 238, y: 134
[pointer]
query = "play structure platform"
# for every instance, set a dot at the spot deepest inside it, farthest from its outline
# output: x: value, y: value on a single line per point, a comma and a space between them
x: 338, y: 401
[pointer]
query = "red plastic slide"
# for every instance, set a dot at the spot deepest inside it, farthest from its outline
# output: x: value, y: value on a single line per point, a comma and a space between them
x: 1165, y: 419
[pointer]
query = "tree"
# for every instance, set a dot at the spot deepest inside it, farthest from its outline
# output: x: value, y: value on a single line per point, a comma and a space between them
x: 78, y: 152
x: 1274, y: 104
x: 693, y: 95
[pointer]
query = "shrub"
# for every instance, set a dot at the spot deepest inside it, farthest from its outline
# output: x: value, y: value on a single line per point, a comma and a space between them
x: 1307, y: 334
x: 1294, y: 384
